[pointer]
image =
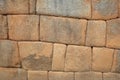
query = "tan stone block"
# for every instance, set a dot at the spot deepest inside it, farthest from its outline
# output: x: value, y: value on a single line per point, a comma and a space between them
x: 96, y: 33
x: 23, y: 27
x: 104, y: 9
x: 71, y: 8
x: 88, y: 76
x: 32, y: 6
x: 113, y: 33
x: 58, y: 57
x: 111, y: 76
x: 62, y: 30
x: 36, y: 55
x: 13, y: 6
x: 12, y: 74
x: 9, y: 56
x: 102, y: 59
x: 3, y: 27
x: 61, y: 76
x: 37, y: 75
x: 78, y: 58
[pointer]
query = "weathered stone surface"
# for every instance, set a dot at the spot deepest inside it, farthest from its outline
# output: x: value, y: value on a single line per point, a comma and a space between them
x: 63, y: 30
x: 116, y: 61
x: 113, y: 33
x: 78, y: 58
x: 96, y: 33
x: 3, y: 27
x: 37, y: 75
x: 111, y: 76
x: 72, y: 8
x: 88, y: 76
x: 9, y: 56
x: 23, y: 27
x: 36, y: 55
x: 61, y: 76
x: 12, y: 74
x: 104, y: 9
x: 102, y: 59
x: 13, y: 6
x: 58, y: 57
x: 32, y: 6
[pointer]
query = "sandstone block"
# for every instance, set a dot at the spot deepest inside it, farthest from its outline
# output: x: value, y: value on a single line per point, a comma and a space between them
x: 62, y: 30
x: 36, y: 55
x: 23, y: 27
x: 111, y: 76
x: 113, y: 33
x: 96, y: 33
x: 102, y: 59
x: 78, y: 58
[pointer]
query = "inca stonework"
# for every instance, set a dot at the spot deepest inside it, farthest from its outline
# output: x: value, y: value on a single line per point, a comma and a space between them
x: 59, y: 39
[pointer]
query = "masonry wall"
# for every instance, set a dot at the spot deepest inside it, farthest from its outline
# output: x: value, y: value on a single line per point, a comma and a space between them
x: 59, y: 39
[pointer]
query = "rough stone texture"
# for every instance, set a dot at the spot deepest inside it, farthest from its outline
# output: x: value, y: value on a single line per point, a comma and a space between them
x: 58, y: 57
x: 102, y: 59
x: 72, y: 8
x: 13, y: 6
x: 78, y: 58
x: 36, y: 55
x: 37, y: 75
x: 32, y: 6
x: 116, y: 61
x: 119, y: 8
x: 88, y: 76
x: 111, y: 76
x: 3, y: 27
x: 113, y: 33
x: 104, y: 9
x: 96, y: 33
x: 12, y: 74
x: 61, y: 76
x: 63, y: 30
x: 9, y: 56
x: 23, y: 27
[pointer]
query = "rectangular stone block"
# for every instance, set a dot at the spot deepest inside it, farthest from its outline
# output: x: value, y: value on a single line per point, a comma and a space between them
x: 78, y: 58
x: 104, y: 9
x: 88, y: 76
x: 23, y: 27
x: 62, y: 30
x: 58, y: 57
x: 9, y: 56
x: 37, y: 75
x: 71, y: 8
x: 113, y: 33
x: 102, y: 59
x: 3, y: 27
x: 13, y: 6
x: 61, y: 76
x: 12, y: 74
x: 96, y: 33
x: 36, y: 55
x: 111, y: 76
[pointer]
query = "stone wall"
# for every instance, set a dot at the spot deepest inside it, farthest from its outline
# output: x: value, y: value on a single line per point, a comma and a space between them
x: 59, y: 39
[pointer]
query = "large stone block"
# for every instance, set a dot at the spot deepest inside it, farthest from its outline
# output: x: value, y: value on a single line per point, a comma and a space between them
x: 62, y: 30
x: 78, y: 58
x: 36, y: 55
x: 71, y: 8
x: 111, y: 76
x: 23, y: 27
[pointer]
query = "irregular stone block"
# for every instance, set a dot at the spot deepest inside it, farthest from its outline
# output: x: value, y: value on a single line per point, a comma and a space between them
x: 23, y: 27
x: 104, y: 9
x: 111, y: 76
x: 96, y: 33
x: 9, y: 56
x: 36, y: 55
x: 71, y: 8
x: 78, y: 58
x: 62, y: 30
x: 37, y: 75
x: 88, y: 76
x: 61, y: 76
x: 102, y: 59
x: 113, y: 33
